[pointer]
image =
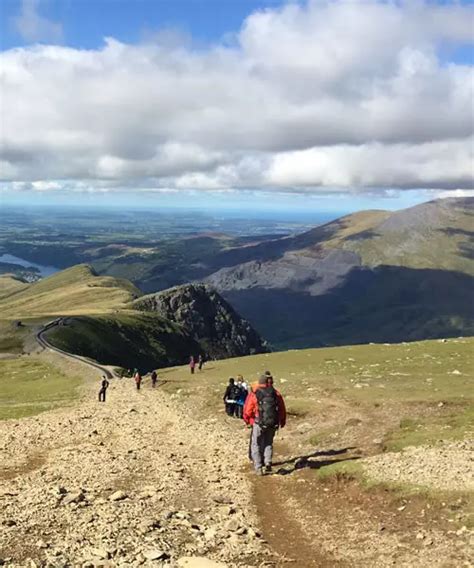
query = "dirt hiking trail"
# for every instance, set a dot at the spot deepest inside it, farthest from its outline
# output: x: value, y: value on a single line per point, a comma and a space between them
x: 144, y: 480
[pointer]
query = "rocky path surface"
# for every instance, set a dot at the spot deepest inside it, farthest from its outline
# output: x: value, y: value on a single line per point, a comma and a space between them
x: 157, y: 479
x: 132, y: 482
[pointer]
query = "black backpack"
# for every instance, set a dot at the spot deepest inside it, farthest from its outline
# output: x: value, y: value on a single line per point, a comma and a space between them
x: 235, y: 392
x: 268, y: 416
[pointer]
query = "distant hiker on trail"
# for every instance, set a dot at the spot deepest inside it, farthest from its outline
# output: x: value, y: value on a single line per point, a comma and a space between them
x: 200, y: 362
x: 192, y: 364
x: 265, y: 411
x: 138, y: 380
x: 103, y: 388
x: 230, y: 397
x: 243, y: 392
x: 154, y: 379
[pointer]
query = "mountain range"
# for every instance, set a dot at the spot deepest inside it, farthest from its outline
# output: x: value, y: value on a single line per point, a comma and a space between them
x: 372, y: 276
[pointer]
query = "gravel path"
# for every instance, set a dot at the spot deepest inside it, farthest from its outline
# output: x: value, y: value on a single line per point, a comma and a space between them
x: 447, y: 467
x: 133, y: 482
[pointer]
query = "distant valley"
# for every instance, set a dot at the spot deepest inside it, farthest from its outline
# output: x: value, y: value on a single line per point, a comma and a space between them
x: 372, y: 276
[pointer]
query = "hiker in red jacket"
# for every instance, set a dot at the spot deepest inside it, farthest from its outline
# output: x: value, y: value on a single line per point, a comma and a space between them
x: 265, y: 411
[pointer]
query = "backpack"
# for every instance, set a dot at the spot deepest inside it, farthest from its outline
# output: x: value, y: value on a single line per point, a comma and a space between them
x: 235, y: 393
x: 268, y: 415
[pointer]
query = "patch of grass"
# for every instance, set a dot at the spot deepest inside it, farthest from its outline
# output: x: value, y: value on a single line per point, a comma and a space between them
x: 9, y: 285
x: 455, y: 423
x: 298, y: 407
x: 29, y: 386
x: 11, y: 337
x: 350, y: 469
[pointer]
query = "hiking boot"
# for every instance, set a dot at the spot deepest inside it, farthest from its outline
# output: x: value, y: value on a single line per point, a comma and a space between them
x: 268, y: 469
x: 259, y: 471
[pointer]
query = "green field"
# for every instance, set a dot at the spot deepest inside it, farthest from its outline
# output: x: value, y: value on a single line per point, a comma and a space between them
x: 29, y: 386
x: 428, y: 383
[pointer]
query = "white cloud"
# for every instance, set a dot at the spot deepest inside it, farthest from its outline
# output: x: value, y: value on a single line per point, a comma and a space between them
x: 331, y: 95
x: 34, y: 27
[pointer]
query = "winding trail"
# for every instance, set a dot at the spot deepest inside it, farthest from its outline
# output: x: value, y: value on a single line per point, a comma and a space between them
x: 45, y: 344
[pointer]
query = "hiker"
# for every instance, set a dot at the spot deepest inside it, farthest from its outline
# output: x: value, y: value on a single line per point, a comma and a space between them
x: 192, y: 364
x: 138, y: 380
x: 200, y: 362
x: 243, y: 392
x: 265, y: 411
x: 103, y: 388
x: 154, y: 378
x: 230, y: 397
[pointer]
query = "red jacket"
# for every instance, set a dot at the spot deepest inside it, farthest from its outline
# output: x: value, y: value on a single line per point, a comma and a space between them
x: 251, y: 408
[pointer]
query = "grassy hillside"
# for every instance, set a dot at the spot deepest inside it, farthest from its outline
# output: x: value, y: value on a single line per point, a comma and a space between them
x: 411, y: 393
x: 128, y: 340
x: 29, y: 386
x: 435, y: 235
x: 10, y: 285
x: 77, y: 290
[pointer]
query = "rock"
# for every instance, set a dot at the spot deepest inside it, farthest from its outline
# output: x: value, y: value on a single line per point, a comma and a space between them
x: 210, y: 533
x: 156, y: 555
x: 353, y: 422
x: 207, y: 317
x: 75, y: 497
x: 199, y: 562
x: 100, y: 553
x: 232, y: 524
x: 118, y: 496
x: 420, y: 536
x: 41, y: 544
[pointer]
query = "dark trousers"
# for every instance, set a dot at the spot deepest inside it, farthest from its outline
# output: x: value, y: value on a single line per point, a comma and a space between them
x: 192, y: 370
x: 102, y: 395
x: 230, y: 408
x: 153, y: 384
x: 138, y: 386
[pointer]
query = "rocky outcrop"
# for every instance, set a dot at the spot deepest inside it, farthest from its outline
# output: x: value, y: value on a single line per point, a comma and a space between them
x: 206, y: 317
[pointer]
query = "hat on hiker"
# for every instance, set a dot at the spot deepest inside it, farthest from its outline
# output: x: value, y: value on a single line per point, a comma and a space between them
x: 262, y: 380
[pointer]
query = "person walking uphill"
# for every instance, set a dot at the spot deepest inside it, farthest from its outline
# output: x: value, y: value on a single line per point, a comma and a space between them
x: 154, y: 379
x: 138, y: 380
x: 265, y: 411
x: 103, y: 388
x: 192, y: 364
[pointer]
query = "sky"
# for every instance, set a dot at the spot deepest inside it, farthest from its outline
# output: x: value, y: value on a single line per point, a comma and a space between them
x: 264, y: 104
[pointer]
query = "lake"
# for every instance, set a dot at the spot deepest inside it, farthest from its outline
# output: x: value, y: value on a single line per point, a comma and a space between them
x: 43, y: 270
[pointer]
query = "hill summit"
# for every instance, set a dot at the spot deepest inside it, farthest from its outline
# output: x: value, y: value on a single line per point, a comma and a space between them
x: 372, y: 276
x: 207, y: 318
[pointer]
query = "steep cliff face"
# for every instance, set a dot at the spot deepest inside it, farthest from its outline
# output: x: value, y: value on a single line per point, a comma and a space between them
x: 207, y: 318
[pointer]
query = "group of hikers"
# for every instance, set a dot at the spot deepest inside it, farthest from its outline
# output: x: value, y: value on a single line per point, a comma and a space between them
x: 260, y: 405
x: 137, y: 377
x: 193, y: 362
x: 262, y: 408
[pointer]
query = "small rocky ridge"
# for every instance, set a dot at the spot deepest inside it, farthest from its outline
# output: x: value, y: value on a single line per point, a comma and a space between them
x: 207, y: 318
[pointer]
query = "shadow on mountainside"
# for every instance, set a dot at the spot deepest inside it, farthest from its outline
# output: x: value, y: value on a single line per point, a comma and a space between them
x: 466, y: 249
x: 273, y: 250
x: 384, y: 304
